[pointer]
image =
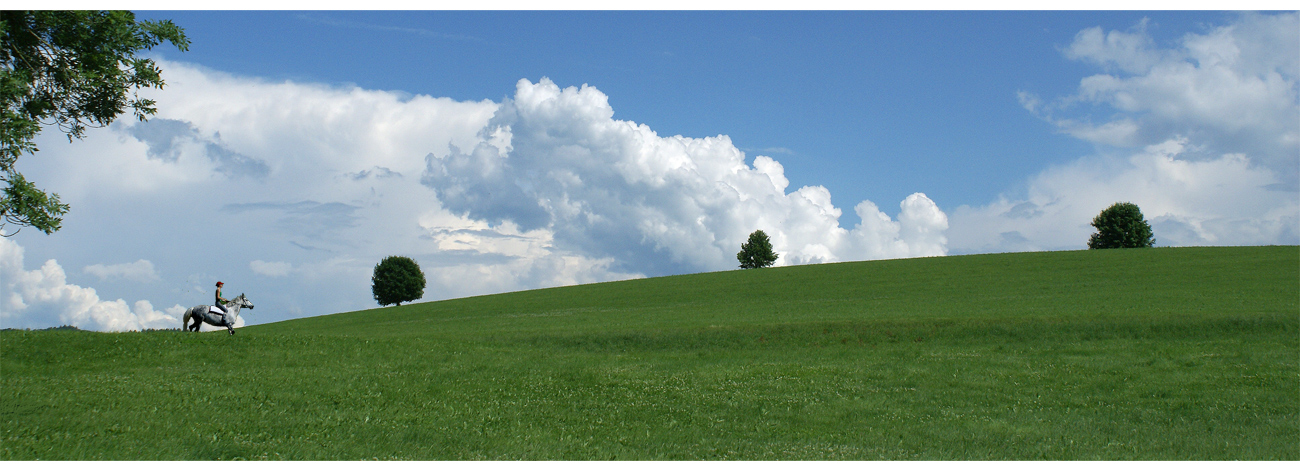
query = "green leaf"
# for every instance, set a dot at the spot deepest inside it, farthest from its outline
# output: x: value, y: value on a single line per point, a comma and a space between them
x: 71, y: 69
x: 25, y: 205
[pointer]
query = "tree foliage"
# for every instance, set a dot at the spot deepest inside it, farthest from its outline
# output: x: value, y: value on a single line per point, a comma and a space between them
x: 1121, y: 226
x: 23, y: 204
x: 397, y: 280
x: 757, y: 251
x: 73, y: 69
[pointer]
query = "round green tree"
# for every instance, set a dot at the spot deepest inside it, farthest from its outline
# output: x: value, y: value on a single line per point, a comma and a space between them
x: 397, y: 280
x: 757, y: 251
x: 1121, y: 227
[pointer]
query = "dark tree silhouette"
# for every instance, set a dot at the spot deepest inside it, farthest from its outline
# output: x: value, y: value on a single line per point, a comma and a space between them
x: 757, y: 251
x: 397, y: 280
x: 1121, y: 227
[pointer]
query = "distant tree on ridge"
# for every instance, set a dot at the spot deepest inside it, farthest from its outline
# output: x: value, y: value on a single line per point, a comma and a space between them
x: 397, y: 280
x: 757, y: 251
x: 1121, y: 227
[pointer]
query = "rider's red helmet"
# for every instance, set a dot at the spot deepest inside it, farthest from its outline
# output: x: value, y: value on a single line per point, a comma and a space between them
x: 220, y: 283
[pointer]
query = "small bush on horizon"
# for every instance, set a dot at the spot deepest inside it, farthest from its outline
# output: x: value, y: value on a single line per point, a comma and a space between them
x: 397, y: 280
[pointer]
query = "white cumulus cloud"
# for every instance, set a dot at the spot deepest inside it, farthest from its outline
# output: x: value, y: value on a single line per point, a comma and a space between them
x: 140, y: 271
x: 270, y: 268
x: 555, y: 160
x: 1230, y: 90
x: 1204, y: 136
x: 1225, y: 201
x: 43, y: 297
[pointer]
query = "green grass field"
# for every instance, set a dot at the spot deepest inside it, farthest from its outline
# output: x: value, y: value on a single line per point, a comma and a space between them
x: 1150, y: 354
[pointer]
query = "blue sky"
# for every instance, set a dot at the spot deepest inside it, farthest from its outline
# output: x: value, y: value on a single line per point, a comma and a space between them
x: 515, y: 150
x: 904, y: 99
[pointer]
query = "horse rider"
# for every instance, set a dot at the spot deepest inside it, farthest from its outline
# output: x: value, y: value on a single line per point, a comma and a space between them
x: 220, y: 307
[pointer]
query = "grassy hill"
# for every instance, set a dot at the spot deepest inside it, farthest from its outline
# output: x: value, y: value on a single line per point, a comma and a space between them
x: 1170, y: 353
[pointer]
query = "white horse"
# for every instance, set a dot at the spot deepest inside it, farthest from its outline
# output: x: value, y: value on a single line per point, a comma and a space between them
x: 203, y: 313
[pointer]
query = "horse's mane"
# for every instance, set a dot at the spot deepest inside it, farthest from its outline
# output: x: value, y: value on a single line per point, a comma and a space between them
x: 234, y: 301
